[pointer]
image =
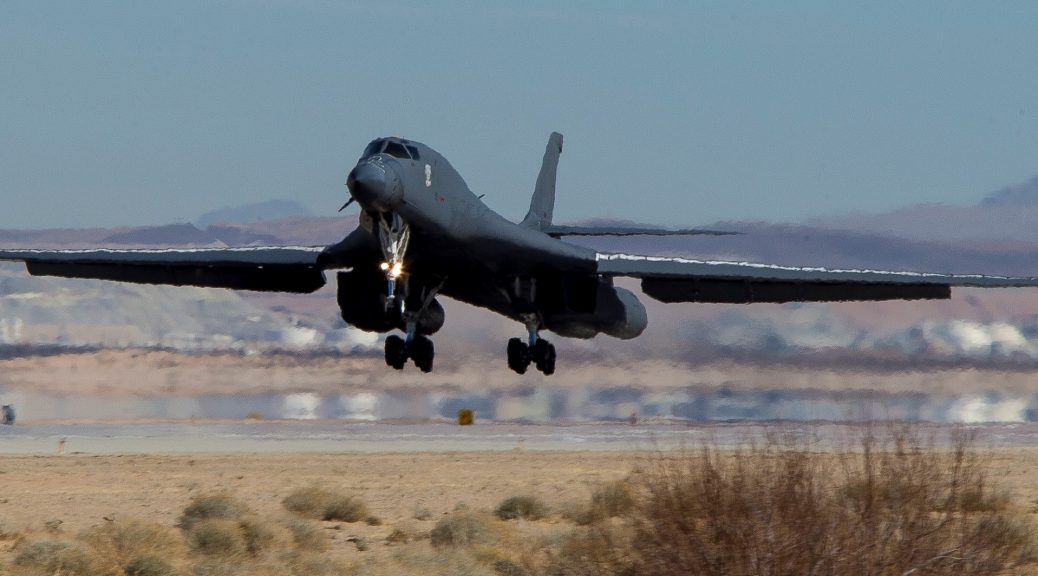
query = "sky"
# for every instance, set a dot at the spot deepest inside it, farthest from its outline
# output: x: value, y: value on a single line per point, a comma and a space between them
x: 674, y: 113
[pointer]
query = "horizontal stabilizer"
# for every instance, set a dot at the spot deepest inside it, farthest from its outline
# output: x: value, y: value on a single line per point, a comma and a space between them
x: 557, y: 231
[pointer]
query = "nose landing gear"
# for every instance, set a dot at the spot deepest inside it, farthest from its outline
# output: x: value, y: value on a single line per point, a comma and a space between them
x: 394, y: 234
x: 537, y: 350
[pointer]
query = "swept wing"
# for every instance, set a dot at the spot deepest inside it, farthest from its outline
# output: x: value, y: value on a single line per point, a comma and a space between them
x: 263, y: 269
x: 689, y: 280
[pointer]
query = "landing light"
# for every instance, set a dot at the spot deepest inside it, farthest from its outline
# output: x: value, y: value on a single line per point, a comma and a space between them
x: 394, y: 270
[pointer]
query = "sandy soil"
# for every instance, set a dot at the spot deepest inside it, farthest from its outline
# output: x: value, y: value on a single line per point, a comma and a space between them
x: 84, y: 491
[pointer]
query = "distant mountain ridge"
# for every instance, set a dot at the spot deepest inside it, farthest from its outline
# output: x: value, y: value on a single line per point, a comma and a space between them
x: 252, y: 213
x: 1023, y: 194
x: 1010, y: 213
x: 181, y: 234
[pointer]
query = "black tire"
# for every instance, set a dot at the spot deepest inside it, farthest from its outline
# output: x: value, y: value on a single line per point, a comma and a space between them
x: 396, y: 353
x: 422, y: 352
x: 518, y: 355
x: 539, y: 352
x: 547, y: 365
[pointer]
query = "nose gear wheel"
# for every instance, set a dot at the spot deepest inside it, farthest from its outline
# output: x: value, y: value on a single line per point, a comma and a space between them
x: 414, y: 346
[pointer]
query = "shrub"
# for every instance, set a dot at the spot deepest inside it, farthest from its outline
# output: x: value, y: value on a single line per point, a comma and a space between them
x: 896, y: 505
x: 308, y: 501
x: 307, y: 535
x: 257, y: 534
x: 508, y: 568
x: 423, y: 513
x: 217, y: 568
x: 117, y: 543
x: 47, y: 557
x: 398, y: 536
x: 608, y: 501
x: 345, y: 509
x: 521, y: 507
x: 324, y: 504
x: 313, y: 565
x: 612, y: 500
x: 216, y: 538
x: 149, y: 565
x: 461, y: 527
x: 218, y: 506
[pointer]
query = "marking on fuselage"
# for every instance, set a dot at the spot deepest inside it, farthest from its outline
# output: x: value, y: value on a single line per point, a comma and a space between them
x: 428, y: 175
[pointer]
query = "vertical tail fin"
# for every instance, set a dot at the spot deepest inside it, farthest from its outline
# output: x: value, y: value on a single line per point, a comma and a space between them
x: 543, y: 202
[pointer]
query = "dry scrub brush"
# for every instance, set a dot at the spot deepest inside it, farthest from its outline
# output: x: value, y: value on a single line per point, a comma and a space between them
x: 326, y: 504
x: 896, y: 504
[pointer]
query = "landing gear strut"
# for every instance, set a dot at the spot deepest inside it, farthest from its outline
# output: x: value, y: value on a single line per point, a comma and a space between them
x: 537, y: 350
x: 394, y: 234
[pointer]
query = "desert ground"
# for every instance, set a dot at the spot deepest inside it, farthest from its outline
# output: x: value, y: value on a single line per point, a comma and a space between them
x: 407, y: 492
x: 58, y: 496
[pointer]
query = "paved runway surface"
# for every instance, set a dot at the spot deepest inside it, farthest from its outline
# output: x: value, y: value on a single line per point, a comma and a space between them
x: 333, y: 437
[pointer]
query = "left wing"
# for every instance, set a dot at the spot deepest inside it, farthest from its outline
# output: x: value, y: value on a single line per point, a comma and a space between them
x: 686, y: 280
x: 264, y: 269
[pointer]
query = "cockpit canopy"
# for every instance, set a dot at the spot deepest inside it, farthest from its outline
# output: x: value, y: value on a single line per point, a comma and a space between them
x: 394, y: 147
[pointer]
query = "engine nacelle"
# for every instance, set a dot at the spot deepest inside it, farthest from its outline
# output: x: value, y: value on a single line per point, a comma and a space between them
x: 432, y: 319
x: 362, y: 301
x: 627, y: 313
x: 613, y: 311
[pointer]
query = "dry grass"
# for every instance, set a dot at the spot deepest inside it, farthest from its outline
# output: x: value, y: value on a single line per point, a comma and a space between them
x: 891, y: 502
x: 326, y: 504
x: 462, y: 527
x: 896, y: 504
x: 218, y: 506
x: 133, y: 545
x: 49, y: 557
x: 521, y: 508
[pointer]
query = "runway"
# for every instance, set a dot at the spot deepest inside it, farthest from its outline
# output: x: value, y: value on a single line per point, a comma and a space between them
x: 374, y: 438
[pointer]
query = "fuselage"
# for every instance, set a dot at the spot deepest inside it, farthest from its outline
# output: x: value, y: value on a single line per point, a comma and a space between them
x: 479, y: 256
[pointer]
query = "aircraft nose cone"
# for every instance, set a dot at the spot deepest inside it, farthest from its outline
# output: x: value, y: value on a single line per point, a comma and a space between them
x: 373, y: 185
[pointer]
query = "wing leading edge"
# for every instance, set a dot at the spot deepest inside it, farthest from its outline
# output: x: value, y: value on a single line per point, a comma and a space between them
x: 686, y: 280
x: 262, y: 269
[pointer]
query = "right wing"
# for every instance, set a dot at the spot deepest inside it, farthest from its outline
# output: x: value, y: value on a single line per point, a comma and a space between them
x: 264, y: 269
x: 686, y: 280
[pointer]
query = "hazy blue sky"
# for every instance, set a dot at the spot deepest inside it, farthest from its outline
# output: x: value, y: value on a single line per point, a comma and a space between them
x: 674, y: 112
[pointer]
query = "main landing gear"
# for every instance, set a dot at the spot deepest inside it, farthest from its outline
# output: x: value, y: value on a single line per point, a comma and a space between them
x: 420, y: 350
x: 536, y: 350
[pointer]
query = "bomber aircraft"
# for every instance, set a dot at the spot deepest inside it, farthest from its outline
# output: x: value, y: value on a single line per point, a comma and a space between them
x: 424, y: 234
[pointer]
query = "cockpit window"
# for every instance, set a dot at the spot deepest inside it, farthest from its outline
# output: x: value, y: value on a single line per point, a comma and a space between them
x: 397, y: 150
x: 374, y: 148
x: 414, y: 152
